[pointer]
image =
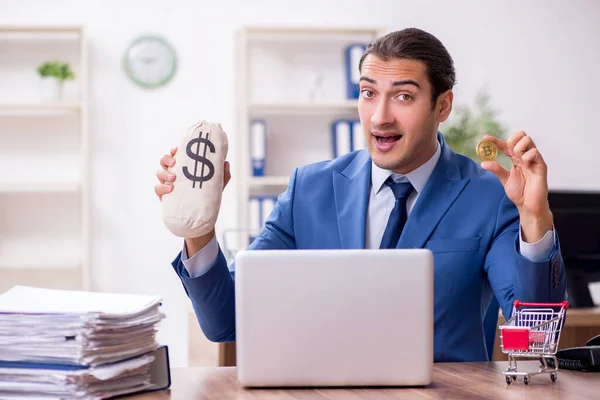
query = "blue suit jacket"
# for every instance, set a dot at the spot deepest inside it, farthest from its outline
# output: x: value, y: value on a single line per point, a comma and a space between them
x: 462, y: 215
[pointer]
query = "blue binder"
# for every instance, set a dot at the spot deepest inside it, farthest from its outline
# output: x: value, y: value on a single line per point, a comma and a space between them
x: 260, y: 208
x: 352, y: 55
x: 346, y: 136
x: 258, y: 146
x: 160, y: 368
x: 358, y: 136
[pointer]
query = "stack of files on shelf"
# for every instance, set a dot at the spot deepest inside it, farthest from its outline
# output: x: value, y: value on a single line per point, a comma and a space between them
x: 260, y: 208
x: 346, y: 136
x: 75, y: 345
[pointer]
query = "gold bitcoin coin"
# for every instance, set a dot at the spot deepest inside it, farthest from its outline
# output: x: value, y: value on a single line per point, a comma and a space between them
x: 486, y: 150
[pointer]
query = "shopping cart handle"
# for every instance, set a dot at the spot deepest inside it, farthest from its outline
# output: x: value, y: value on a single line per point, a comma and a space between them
x: 519, y: 303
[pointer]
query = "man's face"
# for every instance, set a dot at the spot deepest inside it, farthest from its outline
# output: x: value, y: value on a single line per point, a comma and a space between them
x: 396, y: 113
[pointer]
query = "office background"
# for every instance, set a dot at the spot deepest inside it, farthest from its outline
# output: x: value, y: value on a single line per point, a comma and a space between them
x: 538, y: 60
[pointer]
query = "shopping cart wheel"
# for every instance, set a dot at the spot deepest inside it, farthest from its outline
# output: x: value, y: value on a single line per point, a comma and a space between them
x: 553, y: 377
x: 526, y: 380
x: 508, y: 380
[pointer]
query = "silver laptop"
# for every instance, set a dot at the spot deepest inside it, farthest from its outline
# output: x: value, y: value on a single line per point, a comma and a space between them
x: 334, y: 317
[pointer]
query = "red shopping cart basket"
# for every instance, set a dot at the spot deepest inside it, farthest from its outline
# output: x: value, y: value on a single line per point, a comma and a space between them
x: 532, y: 331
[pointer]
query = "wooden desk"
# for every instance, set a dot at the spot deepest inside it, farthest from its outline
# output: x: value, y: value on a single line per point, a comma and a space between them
x: 581, y: 325
x: 450, y: 380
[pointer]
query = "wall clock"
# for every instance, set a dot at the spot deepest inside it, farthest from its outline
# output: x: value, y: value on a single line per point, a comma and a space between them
x: 150, y: 61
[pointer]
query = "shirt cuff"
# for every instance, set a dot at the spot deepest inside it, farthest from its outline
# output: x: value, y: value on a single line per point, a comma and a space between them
x: 540, y: 250
x: 203, y: 260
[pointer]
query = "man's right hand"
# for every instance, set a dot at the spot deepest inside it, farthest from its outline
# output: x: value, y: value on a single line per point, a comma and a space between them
x: 165, y: 186
x: 165, y: 178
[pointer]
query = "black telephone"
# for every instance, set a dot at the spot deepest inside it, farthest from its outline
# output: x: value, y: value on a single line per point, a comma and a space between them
x: 585, y: 358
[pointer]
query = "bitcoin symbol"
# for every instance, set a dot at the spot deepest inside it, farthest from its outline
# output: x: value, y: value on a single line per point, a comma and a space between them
x: 199, y: 159
x: 486, y: 150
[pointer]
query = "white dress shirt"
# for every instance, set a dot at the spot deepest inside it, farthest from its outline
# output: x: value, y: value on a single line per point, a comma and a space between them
x: 381, y: 203
x: 382, y: 200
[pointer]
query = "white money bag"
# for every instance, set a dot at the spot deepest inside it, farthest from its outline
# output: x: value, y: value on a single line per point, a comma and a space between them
x: 191, y: 209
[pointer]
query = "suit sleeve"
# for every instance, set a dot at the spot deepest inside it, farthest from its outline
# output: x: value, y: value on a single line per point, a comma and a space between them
x: 212, y: 294
x: 514, y: 277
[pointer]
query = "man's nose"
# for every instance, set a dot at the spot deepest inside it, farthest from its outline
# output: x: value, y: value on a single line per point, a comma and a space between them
x: 382, y: 115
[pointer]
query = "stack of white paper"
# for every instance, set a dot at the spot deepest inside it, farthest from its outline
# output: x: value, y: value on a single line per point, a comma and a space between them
x: 103, y: 337
x: 24, y: 381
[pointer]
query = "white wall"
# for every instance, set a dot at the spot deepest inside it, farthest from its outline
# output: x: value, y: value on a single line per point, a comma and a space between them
x: 538, y: 58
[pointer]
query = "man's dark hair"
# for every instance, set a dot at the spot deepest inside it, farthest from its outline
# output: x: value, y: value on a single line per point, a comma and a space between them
x: 416, y: 44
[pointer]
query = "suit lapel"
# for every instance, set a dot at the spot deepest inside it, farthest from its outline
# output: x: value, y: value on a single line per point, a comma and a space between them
x: 351, y: 192
x: 440, y: 192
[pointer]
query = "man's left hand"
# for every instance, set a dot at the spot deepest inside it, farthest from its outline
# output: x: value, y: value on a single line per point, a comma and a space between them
x: 526, y: 184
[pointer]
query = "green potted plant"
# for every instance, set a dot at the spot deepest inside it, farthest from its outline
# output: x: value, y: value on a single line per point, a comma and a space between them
x: 467, y: 126
x: 53, y: 74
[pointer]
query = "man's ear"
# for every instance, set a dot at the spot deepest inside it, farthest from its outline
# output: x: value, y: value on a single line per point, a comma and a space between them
x: 444, y: 105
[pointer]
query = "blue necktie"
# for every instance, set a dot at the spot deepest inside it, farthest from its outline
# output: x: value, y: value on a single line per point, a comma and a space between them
x: 398, y: 215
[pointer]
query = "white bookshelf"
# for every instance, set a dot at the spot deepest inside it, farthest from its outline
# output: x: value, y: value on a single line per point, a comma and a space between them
x: 33, y: 109
x: 268, y: 181
x: 40, y: 187
x: 44, y: 229
x: 40, y: 253
x: 275, y: 68
x: 299, y: 108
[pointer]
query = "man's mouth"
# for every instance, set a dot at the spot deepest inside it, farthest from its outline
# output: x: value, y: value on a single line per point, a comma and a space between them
x: 386, y: 138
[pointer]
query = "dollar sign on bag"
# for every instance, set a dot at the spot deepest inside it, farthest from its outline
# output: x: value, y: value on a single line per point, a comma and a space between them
x: 199, y: 159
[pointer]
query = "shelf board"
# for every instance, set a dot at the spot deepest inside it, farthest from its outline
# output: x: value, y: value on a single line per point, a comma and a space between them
x: 27, y: 264
x: 266, y: 109
x: 314, y: 34
x: 318, y: 30
x: 25, y: 261
x: 40, y: 32
x: 40, y: 187
x: 41, y: 28
x: 269, y: 181
x: 32, y: 109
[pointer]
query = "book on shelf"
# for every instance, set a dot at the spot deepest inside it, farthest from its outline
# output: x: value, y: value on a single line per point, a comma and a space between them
x: 352, y: 54
x: 258, y: 145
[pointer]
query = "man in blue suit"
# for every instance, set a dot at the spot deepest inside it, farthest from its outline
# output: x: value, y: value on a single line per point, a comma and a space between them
x: 490, y: 230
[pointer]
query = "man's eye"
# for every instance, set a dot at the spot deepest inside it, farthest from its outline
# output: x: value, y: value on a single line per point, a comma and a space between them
x: 405, y: 97
x: 367, y: 94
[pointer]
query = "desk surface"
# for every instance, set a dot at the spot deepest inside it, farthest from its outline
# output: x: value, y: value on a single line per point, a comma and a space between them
x: 450, y: 380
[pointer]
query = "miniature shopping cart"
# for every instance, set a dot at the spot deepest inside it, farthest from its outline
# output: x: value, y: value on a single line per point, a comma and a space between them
x: 533, y: 331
